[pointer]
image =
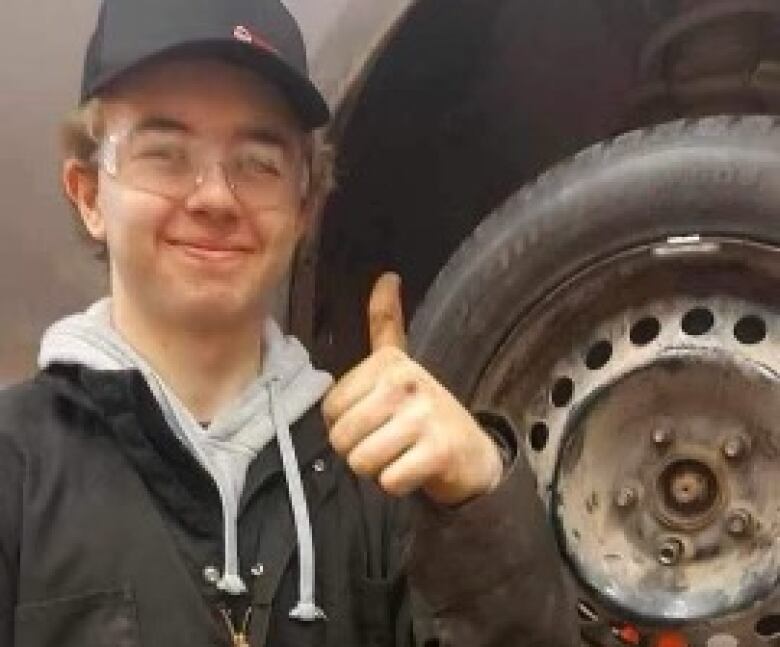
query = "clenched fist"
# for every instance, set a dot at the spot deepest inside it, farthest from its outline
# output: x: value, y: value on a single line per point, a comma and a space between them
x: 392, y: 420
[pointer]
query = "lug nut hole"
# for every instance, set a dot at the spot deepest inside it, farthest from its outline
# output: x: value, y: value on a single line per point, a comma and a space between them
x: 750, y: 330
x: 698, y: 321
x: 644, y: 331
x: 538, y: 436
x: 562, y: 391
x: 598, y: 355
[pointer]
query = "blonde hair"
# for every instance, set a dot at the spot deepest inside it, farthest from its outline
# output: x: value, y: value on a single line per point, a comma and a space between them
x: 83, y: 130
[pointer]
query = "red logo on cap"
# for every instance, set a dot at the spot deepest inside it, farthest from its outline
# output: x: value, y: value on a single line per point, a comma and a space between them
x: 245, y: 35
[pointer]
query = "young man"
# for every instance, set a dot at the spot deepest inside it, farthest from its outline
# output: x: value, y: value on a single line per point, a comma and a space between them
x: 167, y: 477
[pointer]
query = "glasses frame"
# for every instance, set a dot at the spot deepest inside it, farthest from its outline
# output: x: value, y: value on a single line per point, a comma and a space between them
x: 107, y: 158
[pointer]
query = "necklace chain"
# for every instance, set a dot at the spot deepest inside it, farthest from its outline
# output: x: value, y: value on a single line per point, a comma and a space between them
x: 239, y: 637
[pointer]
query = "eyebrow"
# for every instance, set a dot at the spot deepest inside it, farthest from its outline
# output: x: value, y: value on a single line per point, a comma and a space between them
x: 258, y: 134
x: 263, y: 135
x: 160, y: 124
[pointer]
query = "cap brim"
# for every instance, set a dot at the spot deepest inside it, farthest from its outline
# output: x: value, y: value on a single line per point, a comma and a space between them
x: 305, y: 99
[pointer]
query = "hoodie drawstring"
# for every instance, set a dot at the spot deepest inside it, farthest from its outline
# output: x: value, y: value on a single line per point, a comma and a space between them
x: 306, y: 609
x: 180, y: 418
x: 285, y: 390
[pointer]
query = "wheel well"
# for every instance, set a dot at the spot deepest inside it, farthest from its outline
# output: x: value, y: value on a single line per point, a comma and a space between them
x: 466, y: 102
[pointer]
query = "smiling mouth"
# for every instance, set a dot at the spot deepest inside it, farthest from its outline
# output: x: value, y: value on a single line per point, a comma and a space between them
x: 211, y: 253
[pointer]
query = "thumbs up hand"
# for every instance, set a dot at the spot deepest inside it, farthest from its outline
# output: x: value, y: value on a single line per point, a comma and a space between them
x: 391, y: 420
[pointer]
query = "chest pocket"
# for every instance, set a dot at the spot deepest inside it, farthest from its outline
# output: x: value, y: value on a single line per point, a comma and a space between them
x: 98, y: 619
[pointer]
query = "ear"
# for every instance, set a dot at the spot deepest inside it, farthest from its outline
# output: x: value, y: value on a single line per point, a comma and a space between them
x: 81, y: 187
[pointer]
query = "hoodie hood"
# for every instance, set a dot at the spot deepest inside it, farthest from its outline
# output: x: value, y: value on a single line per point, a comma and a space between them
x: 286, y: 388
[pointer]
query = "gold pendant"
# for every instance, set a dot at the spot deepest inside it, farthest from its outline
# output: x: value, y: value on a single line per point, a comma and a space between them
x: 240, y: 638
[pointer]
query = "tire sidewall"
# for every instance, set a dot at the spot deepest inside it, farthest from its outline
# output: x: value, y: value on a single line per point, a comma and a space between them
x: 714, y: 177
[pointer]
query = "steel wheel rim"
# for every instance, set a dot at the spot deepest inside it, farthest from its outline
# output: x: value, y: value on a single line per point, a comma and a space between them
x: 548, y: 417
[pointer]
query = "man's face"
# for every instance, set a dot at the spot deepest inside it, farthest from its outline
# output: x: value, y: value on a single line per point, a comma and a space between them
x: 210, y: 257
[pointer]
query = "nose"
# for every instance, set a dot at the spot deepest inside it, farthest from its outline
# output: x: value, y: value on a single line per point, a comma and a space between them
x: 213, y: 195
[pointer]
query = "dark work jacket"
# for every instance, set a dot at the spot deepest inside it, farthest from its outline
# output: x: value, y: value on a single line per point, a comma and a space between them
x: 107, y: 524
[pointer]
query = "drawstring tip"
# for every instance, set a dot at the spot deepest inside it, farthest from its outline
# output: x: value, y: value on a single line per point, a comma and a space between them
x: 232, y: 584
x: 307, y: 612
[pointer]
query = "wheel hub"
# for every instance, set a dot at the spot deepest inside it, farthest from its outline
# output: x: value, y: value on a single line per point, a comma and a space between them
x: 660, y: 494
x: 686, y: 493
x: 645, y: 390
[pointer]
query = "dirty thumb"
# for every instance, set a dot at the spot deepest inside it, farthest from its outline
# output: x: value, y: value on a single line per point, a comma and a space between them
x: 385, y: 313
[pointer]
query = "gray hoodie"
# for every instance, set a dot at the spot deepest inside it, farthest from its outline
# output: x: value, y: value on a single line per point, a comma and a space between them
x: 284, y: 390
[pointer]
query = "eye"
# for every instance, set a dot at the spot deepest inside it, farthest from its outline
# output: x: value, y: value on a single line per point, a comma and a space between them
x: 158, y: 149
x: 163, y: 152
x: 258, y: 161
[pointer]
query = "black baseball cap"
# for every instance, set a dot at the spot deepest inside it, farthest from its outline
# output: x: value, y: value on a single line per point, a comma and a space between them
x: 260, y: 34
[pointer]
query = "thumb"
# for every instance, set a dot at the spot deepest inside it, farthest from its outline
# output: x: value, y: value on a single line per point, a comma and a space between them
x: 385, y: 313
